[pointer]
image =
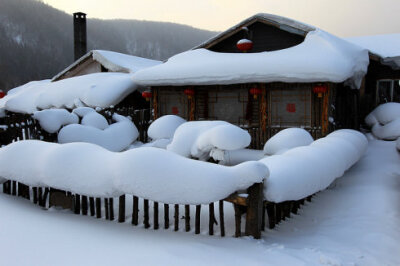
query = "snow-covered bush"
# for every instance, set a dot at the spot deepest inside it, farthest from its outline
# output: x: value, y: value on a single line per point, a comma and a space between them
x: 149, y: 173
x: 287, y: 139
x: 198, y: 138
x: 305, y: 170
x: 51, y: 120
x: 116, y: 137
x: 164, y: 127
x: 385, y: 121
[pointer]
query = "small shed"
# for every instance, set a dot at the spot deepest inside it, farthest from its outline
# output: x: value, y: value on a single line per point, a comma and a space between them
x: 265, y: 74
x: 382, y: 82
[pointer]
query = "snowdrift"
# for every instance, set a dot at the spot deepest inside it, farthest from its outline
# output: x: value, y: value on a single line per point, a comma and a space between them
x: 95, y: 90
x: 305, y: 170
x: 148, y: 173
x: 385, y: 121
x: 51, y: 120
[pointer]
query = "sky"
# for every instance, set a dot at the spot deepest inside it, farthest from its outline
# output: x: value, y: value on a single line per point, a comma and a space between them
x: 341, y: 17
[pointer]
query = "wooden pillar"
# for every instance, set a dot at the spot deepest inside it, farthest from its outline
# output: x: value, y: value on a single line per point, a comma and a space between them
x: 254, y: 210
x: 166, y: 216
x: 121, y: 213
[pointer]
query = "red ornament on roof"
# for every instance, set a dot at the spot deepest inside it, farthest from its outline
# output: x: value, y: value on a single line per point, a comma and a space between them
x: 244, y: 45
x: 189, y: 93
x: 255, y: 92
x: 320, y: 89
x: 147, y: 95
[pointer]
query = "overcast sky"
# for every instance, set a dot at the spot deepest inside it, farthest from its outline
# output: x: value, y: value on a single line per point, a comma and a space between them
x: 341, y: 17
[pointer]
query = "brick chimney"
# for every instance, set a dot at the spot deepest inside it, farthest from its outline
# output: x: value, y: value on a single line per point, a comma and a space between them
x: 79, y: 35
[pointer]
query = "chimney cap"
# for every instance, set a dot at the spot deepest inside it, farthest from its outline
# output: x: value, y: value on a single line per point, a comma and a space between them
x: 79, y: 14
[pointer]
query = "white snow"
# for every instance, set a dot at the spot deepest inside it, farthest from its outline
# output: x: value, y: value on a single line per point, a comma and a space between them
x: 164, y: 127
x: 306, y: 170
x: 94, y: 119
x: 236, y: 156
x: 287, y: 139
x: 384, y: 45
x: 353, y: 222
x: 116, y: 137
x: 198, y: 138
x: 385, y: 121
x: 94, y: 90
x: 342, y: 62
x: 51, y: 120
x: 149, y: 173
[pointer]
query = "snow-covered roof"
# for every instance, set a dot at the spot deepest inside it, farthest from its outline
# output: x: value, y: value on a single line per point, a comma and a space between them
x: 322, y: 57
x: 283, y: 23
x: 386, y: 46
x: 94, y: 90
x: 113, y: 61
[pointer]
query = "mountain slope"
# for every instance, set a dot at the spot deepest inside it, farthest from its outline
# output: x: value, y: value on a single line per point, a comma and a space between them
x: 36, y: 40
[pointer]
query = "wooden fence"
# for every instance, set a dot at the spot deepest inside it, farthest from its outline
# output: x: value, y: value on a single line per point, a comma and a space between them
x: 253, y: 206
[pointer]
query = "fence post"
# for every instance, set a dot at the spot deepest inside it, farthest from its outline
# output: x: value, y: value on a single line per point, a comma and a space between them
x: 254, y: 211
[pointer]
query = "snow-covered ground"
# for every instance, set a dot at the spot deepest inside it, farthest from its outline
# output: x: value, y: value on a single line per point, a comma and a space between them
x: 354, y: 222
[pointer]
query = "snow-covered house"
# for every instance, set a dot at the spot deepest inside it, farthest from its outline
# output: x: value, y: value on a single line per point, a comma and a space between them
x: 265, y: 74
x: 382, y: 83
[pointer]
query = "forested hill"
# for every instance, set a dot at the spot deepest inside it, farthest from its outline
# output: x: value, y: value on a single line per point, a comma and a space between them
x: 36, y: 40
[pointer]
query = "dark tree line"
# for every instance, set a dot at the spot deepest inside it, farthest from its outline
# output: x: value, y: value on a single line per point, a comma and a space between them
x: 36, y: 40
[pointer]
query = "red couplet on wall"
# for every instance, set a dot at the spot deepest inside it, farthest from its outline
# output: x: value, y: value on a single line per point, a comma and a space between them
x: 291, y: 108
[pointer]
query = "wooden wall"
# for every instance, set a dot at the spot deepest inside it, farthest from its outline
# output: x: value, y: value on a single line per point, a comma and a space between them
x: 265, y: 38
x: 281, y: 105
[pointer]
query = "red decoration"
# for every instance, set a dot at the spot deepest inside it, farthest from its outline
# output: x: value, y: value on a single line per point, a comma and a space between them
x: 244, y: 45
x: 291, y: 107
x: 175, y: 110
x: 320, y: 89
x: 189, y: 93
x: 255, y: 92
x: 147, y: 95
x: 2, y: 94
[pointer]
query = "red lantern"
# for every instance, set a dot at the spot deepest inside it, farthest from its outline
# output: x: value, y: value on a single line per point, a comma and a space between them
x: 244, y: 45
x: 2, y: 94
x: 147, y: 95
x: 189, y: 93
x: 255, y: 92
x: 320, y: 89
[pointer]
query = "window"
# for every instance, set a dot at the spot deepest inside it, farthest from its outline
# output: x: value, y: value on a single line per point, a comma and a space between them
x: 388, y: 91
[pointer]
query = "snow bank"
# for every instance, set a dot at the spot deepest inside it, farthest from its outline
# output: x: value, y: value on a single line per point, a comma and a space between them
x: 90, y: 170
x: 198, y: 138
x: 305, y: 170
x: 342, y: 62
x: 94, y: 119
x: 287, y: 139
x: 385, y: 121
x: 51, y: 120
x: 95, y: 90
x: 164, y: 127
x: 116, y: 137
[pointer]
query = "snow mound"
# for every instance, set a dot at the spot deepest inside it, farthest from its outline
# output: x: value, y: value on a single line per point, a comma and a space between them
x: 385, y: 121
x: 343, y: 62
x: 95, y: 90
x: 94, y: 119
x: 51, y: 120
x: 82, y: 111
x: 116, y: 137
x: 198, y: 138
x: 305, y: 170
x: 90, y: 170
x: 164, y: 127
x: 287, y: 139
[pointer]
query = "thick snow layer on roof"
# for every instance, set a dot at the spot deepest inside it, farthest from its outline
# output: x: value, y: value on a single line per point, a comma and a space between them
x: 90, y: 170
x: 117, y: 62
x: 95, y: 90
x: 287, y: 139
x: 52, y: 120
x: 321, y: 57
x: 386, y: 45
x: 116, y: 137
x: 303, y: 171
x: 198, y: 138
x: 384, y: 121
x: 113, y: 61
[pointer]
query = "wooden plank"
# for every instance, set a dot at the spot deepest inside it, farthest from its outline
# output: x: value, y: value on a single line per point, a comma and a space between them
x: 106, y: 208
x: 197, y: 220
x: 91, y: 206
x: 176, y: 217
x: 254, y: 211
x: 271, y: 215
x: 84, y: 205
x: 187, y: 218
x: 98, y: 208
x: 166, y: 216
x: 211, y: 219
x: 77, y: 205
x: 111, y: 204
x: 221, y: 217
x: 135, y: 212
x: 238, y: 220
x: 155, y: 216
x: 121, y: 213
x: 146, y: 213
x: 236, y: 199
